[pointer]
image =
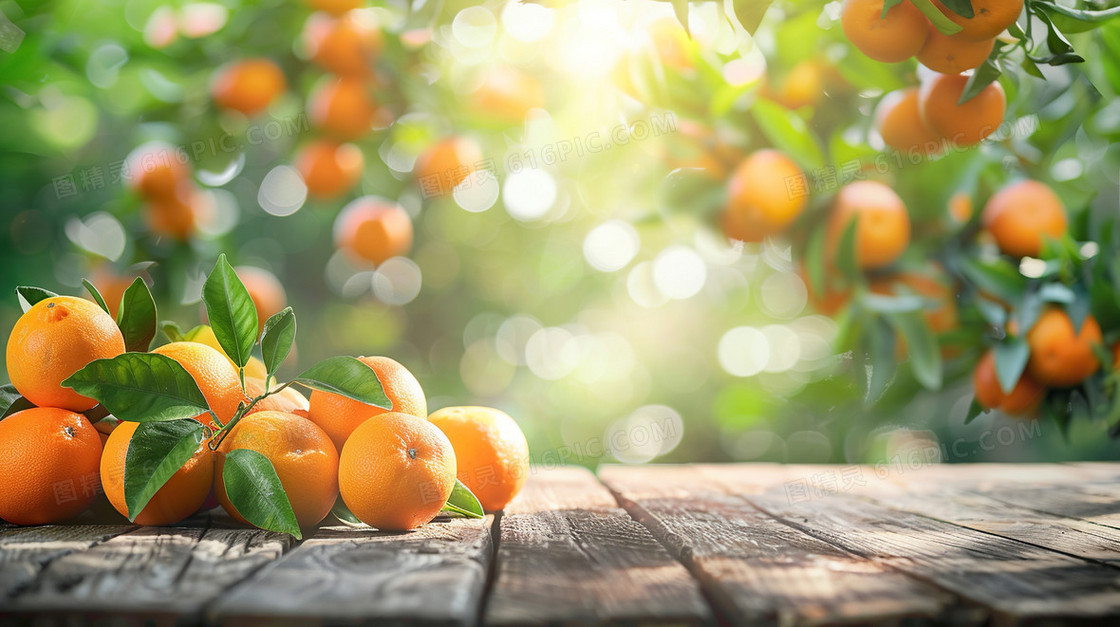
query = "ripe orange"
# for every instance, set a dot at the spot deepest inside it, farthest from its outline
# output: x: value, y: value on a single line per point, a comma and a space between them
x: 182, y: 495
x: 339, y: 416
x: 55, y: 338
x: 901, y: 127
x: 205, y: 335
x: 48, y: 465
x: 1021, y: 214
x: 1024, y: 397
x: 802, y: 86
x: 891, y: 39
x: 266, y: 291
x: 248, y: 86
x: 396, y: 471
x: 491, y: 454
x: 304, y: 458
x: 882, y: 227
x: 343, y: 108
x: 335, y: 7
x: 764, y: 195
x: 288, y: 400
x: 507, y: 94
x: 157, y: 172
x: 328, y: 168
x: 952, y: 54
x: 990, y: 18
x: 445, y: 164
x: 1058, y: 356
x: 962, y: 124
x: 960, y: 207
x: 347, y: 45
x: 214, y: 374
x: 372, y: 229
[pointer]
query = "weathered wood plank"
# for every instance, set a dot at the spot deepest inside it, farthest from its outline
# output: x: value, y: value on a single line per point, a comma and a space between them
x: 758, y: 570
x: 434, y: 575
x: 25, y: 551
x: 569, y: 554
x: 1018, y: 581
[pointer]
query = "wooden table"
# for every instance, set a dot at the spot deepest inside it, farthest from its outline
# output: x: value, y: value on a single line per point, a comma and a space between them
x: 735, y: 544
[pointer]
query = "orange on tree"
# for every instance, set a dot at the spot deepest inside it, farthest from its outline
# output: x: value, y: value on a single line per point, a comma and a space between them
x: 802, y: 86
x: 892, y: 38
x: 371, y: 229
x: 340, y: 416
x: 48, y: 465
x: 205, y: 335
x: 157, y: 171
x: 1021, y: 214
x: 248, y: 86
x: 396, y: 471
x: 507, y: 94
x: 265, y: 290
x: 882, y: 230
x: 336, y: 7
x: 182, y: 495
x: 288, y: 400
x: 343, y: 108
x: 1060, y: 357
x: 446, y: 163
x: 305, y: 460
x: 347, y: 45
x: 953, y: 54
x: 764, y: 195
x: 990, y: 18
x: 1022, y: 399
x: 961, y: 124
x: 55, y: 338
x: 960, y: 207
x: 328, y: 168
x: 213, y: 372
x: 179, y: 216
x: 901, y: 127
x: 491, y: 454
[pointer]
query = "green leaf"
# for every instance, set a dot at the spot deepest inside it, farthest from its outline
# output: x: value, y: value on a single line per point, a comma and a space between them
x: 256, y: 493
x: 344, y: 515
x: 680, y: 9
x: 881, y: 357
x: 962, y: 8
x: 1011, y: 359
x: 749, y: 13
x: 921, y: 344
x: 974, y: 410
x: 846, y: 251
x: 157, y: 450
x: 142, y: 387
x: 12, y: 401
x: 172, y: 330
x: 137, y: 317
x: 987, y: 73
x: 29, y: 295
x: 901, y: 303
x: 788, y: 132
x: 277, y: 339
x: 933, y: 14
x: 462, y: 503
x: 348, y: 377
x: 97, y: 297
x: 233, y: 317
x: 998, y: 278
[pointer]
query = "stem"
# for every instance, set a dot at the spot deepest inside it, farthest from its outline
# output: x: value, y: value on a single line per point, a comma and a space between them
x: 241, y: 412
x: 1081, y: 14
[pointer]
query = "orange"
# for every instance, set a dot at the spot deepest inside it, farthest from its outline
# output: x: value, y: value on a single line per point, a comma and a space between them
x: 445, y: 164
x: 55, y: 338
x: 1058, y: 356
x: 182, y: 495
x: 507, y: 94
x: 891, y: 39
x: 329, y: 169
x: 339, y: 416
x: 157, y: 171
x: 205, y: 335
x: 304, y: 458
x: 803, y: 85
x: 266, y: 291
x: 882, y: 223
x: 831, y: 299
x: 248, y: 86
x: 1021, y: 214
x: 372, y: 229
x: 347, y: 45
x: 960, y: 207
x: 901, y: 127
x: 1022, y: 399
x: 396, y: 472
x: 942, y: 315
x: 962, y: 124
x: 952, y: 54
x: 491, y: 454
x: 48, y: 465
x: 335, y: 7
x: 214, y: 374
x: 343, y: 108
x: 288, y: 400
x: 990, y: 18
x: 764, y: 195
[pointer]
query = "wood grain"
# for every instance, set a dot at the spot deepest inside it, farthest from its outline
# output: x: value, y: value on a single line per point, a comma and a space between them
x: 758, y: 570
x: 26, y: 551
x: 569, y: 554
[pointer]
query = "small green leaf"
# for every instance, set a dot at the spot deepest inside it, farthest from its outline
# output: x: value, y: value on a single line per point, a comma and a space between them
x: 97, y: 297
x: 749, y: 13
x: 172, y: 330
x: 349, y: 377
x: 933, y: 14
x: 462, y: 503
x: 846, y: 251
x: 998, y: 278
x: 962, y: 8
x: 987, y: 73
x: 12, y: 401
x: 789, y: 133
x: 142, y: 387
x: 680, y: 9
x: 137, y: 317
x: 882, y: 361
x: 231, y: 311
x: 974, y: 410
x: 921, y: 344
x: 344, y: 515
x: 901, y: 303
x: 1011, y: 359
x: 277, y: 339
x: 256, y: 493
x: 157, y: 450
x: 29, y: 295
